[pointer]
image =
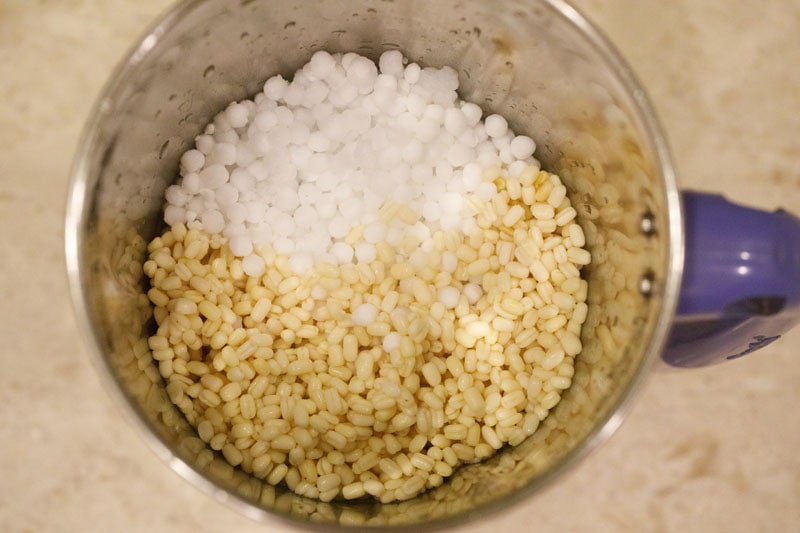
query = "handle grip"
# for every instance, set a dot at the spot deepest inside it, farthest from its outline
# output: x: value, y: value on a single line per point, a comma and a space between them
x: 741, y: 281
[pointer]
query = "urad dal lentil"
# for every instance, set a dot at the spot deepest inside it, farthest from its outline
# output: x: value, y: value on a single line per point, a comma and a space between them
x: 374, y: 378
x: 346, y: 303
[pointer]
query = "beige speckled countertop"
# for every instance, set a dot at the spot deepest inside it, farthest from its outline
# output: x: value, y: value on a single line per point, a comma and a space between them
x: 707, y: 450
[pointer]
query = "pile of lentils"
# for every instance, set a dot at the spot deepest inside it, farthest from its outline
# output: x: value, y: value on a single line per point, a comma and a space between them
x: 364, y: 284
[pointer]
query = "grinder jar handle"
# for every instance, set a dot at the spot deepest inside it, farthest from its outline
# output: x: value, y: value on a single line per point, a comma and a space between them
x: 741, y: 281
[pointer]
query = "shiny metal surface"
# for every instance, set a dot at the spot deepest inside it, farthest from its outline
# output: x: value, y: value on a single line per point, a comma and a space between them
x: 539, y: 63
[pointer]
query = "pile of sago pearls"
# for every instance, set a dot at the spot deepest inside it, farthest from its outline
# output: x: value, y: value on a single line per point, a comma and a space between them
x: 364, y: 285
x: 309, y: 162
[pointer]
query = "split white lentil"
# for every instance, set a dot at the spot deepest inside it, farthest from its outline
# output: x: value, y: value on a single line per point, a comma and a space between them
x: 380, y: 377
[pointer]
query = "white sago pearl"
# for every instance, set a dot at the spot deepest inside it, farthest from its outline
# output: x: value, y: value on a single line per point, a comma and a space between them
x: 364, y: 314
x: 448, y: 296
x: 449, y: 262
x: 300, y: 262
x: 204, y: 144
x: 322, y: 64
x: 237, y: 115
x: 473, y: 292
x: 522, y: 147
x: 342, y: 251
x: 192, y: 160
x: 391, y: 341
x: 174, y: 215
x: 213, y: 176
x: 338, y: 227
x: 242, y: 180
x: 275, y: 87
x: 223, y: 153
x: 241, y: 246
x: 365, y: 252
x: 253, y: 265
x: 176, y: 196
x: 391, y: 63
x: 496, y: 126
x: 375, y: 232
x: 213, y: 221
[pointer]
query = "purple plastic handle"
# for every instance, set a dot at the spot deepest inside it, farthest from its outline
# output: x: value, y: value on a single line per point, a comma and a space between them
x: 741, y: 281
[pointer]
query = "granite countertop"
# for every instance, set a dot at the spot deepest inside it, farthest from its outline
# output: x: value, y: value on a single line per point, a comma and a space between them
x: 706, y: 450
